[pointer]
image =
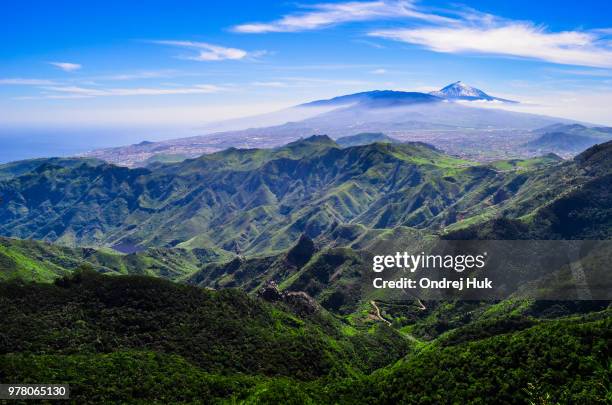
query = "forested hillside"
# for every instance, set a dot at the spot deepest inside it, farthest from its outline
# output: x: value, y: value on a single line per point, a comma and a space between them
x: 256, y: 201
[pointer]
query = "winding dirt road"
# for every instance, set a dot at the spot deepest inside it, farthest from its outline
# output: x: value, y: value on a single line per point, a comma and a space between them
x: 378, y: 314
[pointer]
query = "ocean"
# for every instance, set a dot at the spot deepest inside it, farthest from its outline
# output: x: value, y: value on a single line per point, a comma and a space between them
x: 19, y: 144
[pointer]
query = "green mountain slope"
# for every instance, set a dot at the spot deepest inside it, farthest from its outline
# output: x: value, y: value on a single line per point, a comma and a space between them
x: 107, y: 335
x: 561, y: 141
x: 138, y: 339
x: 261, y: 201
x: 31, y: 260
x: 568, y: 138
x: 258, y: 198
x: 364, y: 139
x: 578, y: 209
x: 15, y: 169
x: 562, y: 361
x: 224, y: 332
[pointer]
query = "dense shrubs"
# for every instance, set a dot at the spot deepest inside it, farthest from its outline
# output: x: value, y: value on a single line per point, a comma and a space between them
x: 220, y: 331
x: 142, y: 340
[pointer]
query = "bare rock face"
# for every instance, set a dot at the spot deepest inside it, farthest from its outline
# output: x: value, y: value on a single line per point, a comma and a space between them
x: 301, y: 302
x: 298, y: 301
x: 270, y: 292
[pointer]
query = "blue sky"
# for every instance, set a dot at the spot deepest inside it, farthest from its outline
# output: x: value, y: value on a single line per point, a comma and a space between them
x: 161, y: 65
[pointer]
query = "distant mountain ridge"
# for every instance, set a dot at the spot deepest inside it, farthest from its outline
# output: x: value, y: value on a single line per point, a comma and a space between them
x: 568, y: 139
x: 562, y: 141
x: 14, y: 169
x: 259, y: 200
x: 452, y: 119
x: 376, y: 99
x: 389, y: 98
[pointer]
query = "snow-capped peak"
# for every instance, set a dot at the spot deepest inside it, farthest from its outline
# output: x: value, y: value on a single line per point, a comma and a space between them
x: 462, y: 91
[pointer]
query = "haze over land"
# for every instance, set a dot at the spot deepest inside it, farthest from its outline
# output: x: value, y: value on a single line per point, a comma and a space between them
x: 453, y: 119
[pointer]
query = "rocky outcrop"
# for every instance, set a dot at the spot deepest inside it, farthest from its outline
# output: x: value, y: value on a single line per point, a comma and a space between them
x: 298, y: 301
x: 270, y: 292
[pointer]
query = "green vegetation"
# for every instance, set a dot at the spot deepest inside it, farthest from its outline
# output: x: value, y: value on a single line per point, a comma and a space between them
x: 364, y: 139
x: 256, y: 201
x: 31, y: 260
x: 527, y: 164
x: 163, y: 158
x: 565, y: 201
x: 221, y: 332
x: 126, y: 376
x: 231, y: 226
x: 259, y: 201
x: 21, y: 167
x: 144, y: 340
x: 566, y: 361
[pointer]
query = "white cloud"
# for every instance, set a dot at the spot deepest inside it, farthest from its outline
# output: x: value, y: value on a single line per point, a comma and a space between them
x: 585, y: 72
x: 269, y: 84
x: 604, y: 31
x: 369, y: 43
x: 26, y: 82
x: 327, y: 66
x: 52, y: 97
x: 66, y: 66
x: 319, y: 81
x: 83, y: 92
x: 152, y: 74
x: 327, y: 14
x: 493, y: 36
x: 308, y: 82
x: 469, y: 31
x: 378, y: 71
x: 209, y: 52
x: 311, y: 82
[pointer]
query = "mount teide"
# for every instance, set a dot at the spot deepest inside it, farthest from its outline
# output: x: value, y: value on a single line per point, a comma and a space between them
x: 452, y: 119
x: 462, y: 91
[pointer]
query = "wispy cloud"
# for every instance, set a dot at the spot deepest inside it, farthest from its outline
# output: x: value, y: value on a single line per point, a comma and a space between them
x: 66, y: 66
x: 378, y: 71
x: 84, y: 92
x: 486, y: 34
x: 269, y: 84
x: 585, y: 72
x: 208, y: 52
x: 326, y: 66
x: 308, y: 82
x: 603, y: 31
x: 369, y: 43
x: 320, y: 81
x: 328, y: 14
x: 149, y: 74
x: 26, y: 82
x: 457, y: 30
